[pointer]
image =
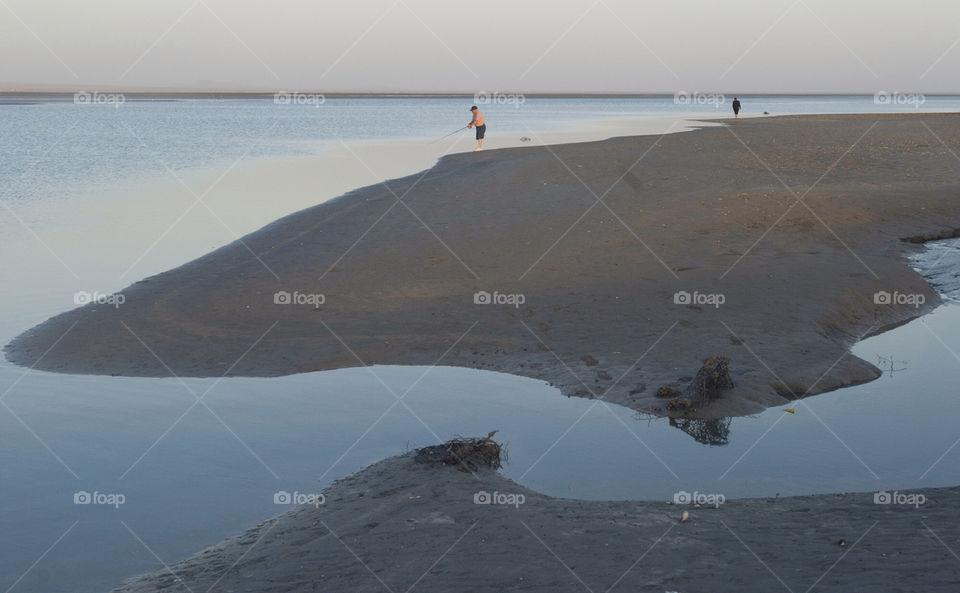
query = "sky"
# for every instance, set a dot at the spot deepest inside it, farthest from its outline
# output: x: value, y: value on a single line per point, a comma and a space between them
x: 632, y: 46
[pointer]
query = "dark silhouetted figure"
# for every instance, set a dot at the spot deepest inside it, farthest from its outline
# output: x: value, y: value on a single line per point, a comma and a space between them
x: 736, y: 107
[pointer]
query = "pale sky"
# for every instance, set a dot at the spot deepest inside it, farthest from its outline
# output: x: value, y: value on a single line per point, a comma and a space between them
x: 736, y: 46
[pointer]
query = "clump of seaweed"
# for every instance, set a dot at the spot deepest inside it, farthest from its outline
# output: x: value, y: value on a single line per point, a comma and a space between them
x: 680, y: 404
x: 711, y: 381
x: 712, y: 378
x: 667, y: 392
x: 466, y: 454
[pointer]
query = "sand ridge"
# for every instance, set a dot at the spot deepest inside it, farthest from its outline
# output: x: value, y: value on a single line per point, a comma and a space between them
x: 400, y: 526
x: 598, y: 238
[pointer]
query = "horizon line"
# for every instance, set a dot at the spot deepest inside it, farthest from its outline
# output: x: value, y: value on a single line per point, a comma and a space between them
x: 65, y: 91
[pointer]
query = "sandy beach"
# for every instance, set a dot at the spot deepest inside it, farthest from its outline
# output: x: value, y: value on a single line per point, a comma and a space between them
x: 136, y: 228
x: 400, y: 525
x: 780, y: 231
x: 795, y: 223
x: 422, y: 296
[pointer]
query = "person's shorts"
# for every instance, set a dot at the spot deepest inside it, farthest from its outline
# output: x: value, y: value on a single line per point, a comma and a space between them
x: 481, y: 130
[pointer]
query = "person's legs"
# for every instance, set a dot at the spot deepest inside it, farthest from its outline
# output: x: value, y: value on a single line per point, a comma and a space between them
x: 481, y: 130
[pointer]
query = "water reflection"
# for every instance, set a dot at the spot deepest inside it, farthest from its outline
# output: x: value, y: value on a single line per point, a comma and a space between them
x: 939, y: 263
x: 714, y: 432
x: 890, y: 365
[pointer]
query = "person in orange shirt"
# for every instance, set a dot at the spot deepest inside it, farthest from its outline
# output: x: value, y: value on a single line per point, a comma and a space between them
x: 481, y: 125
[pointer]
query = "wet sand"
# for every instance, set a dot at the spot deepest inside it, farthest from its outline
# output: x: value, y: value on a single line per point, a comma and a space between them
x: 598, y: 238
x: 399, y: 526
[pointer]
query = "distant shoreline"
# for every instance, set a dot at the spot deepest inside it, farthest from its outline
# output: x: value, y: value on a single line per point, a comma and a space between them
x: 147, y: 94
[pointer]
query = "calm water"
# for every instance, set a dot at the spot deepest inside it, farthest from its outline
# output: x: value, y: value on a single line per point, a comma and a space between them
x: 191, y: 476
x: 49, y: 148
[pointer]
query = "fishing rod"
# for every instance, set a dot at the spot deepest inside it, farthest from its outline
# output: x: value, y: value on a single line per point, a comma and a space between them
x: 451, y: 134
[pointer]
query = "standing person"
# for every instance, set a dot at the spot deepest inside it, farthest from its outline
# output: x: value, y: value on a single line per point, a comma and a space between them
x: 736, y: 107
x: 481, y: 125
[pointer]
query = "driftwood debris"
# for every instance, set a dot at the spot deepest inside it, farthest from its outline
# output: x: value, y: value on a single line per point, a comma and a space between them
x: 467, y: 455
x: 711, y: 381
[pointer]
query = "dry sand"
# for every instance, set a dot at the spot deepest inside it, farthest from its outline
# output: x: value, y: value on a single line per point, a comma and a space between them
x: 713, y: 211
x: 400, y: 526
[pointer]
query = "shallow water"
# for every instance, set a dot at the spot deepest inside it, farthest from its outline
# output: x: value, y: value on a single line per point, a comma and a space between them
x: 49, y: 148
x: 193, y: 473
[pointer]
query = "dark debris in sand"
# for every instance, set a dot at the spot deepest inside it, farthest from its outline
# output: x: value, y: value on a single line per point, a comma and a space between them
x: 466, y: 454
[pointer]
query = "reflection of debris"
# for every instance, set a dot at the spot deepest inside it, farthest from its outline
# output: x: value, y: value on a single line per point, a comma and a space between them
x: 714, y: 432
x: 891, y: 365
x: 467, y: 454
